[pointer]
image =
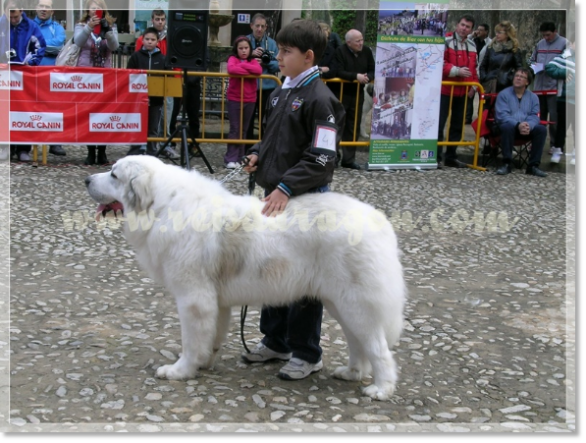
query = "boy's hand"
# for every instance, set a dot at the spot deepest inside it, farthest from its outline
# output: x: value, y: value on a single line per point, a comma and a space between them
x: 251, y: 166
x: 276, y: 202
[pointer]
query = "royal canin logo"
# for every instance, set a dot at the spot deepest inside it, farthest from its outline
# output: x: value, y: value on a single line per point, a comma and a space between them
x: 77, y: 78
x: 36, y: 118
x: 115, y: 118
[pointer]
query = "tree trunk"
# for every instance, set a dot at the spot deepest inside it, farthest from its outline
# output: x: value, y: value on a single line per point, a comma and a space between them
x: 360, y: 21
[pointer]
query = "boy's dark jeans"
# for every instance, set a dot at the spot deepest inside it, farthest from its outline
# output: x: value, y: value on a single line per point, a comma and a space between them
x: 295, y: 328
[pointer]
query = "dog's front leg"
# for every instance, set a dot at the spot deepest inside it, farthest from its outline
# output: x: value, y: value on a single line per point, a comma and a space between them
x: 198, y: 315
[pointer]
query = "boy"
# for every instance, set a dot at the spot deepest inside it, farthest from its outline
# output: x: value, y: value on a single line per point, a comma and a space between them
x: 296, y: 155
x: 149, y: 57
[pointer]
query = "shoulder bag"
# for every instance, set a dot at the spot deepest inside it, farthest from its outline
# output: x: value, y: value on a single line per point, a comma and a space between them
x: 69, y: 54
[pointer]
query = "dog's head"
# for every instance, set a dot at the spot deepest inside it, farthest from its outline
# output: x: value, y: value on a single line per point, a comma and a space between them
x: 127, y: 186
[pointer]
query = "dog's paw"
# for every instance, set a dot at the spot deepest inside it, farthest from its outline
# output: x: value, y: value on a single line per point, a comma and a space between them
x: 175, y: 372
x: 377, y: 393
x: 346, y: 373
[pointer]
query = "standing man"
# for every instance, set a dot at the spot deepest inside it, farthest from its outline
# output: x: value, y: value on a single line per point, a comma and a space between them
x: 459, y: 66
x: 55, y: 39
x: 354, y: 61
x: 550, y: 46
x: 481, y: 40
x: 159, y: 22
x: 27, y: 47
x: 517, y: 115
x: 265, y: 50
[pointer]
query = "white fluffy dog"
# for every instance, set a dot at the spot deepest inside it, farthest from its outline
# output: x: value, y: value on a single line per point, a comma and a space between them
x: 213, y: 250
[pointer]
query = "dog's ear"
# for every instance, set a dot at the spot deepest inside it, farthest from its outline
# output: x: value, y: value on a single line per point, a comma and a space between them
x: 138, y: 191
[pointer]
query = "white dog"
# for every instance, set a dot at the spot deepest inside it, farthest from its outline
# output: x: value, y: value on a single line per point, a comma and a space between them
x: 213, y: 250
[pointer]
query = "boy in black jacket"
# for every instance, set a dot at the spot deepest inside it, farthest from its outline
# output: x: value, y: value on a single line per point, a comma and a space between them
x: 149, y: 57
x: 296, y: 156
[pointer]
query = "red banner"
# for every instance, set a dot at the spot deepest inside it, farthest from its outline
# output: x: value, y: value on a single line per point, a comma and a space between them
x: 62, y: 105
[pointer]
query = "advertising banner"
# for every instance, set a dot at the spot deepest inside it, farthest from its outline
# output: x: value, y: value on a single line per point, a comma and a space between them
x: 407, y: 85
x: 64, y: 105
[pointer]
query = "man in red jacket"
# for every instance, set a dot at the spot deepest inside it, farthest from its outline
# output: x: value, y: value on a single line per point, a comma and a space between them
x: 459, y: 66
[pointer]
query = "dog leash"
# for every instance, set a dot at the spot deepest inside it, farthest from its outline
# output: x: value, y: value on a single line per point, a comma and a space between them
x: 243, y: 162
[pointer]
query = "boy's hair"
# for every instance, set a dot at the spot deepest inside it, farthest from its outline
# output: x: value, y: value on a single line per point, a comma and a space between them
x: 157, y: 12
x: 151, y: 30
x: 241, y: 38
x: 547, y: 27
x: 485, y: 26
x: 304, y: 35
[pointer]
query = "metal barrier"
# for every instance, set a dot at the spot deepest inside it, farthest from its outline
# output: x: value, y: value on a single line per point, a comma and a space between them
x: 463, y: 142
x: 214, y: 84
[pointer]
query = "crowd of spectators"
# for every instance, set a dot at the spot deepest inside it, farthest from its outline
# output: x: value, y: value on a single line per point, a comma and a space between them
x: 469, y: 56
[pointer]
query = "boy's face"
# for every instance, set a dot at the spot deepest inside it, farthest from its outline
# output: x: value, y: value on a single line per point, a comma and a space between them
x: 149, y: 41
x: 292, y: 61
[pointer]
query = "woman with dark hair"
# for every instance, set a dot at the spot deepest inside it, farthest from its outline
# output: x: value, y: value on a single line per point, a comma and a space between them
x: 96, y: 51
x: 501, y: 60
x: 241, y: 95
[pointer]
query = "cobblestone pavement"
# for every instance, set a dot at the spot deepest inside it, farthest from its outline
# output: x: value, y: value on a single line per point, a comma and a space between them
x: 488, y: 345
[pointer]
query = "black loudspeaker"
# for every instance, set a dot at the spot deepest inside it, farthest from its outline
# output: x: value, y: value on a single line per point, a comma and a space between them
x: 187, y: 40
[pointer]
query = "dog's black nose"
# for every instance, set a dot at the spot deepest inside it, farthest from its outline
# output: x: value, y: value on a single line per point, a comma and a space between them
x: 88, y: 179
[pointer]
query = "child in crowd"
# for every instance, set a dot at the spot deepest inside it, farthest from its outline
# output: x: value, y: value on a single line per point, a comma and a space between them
x: 241, y: 96
x: 149, y: 57
x: 296, y: 156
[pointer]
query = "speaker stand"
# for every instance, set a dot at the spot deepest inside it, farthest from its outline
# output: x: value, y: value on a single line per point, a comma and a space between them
x: 183, y: 129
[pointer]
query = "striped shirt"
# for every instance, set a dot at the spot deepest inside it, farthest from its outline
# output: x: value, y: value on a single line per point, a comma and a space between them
x: 545, y: 52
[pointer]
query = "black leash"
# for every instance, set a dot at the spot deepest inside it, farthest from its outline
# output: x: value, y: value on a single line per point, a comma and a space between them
x: 244, y: 309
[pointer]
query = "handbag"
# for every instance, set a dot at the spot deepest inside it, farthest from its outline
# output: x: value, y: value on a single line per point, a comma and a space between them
x: 69, y: 54
x: 506, y: 78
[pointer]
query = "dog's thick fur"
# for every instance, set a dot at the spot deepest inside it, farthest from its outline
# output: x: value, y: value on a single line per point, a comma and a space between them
x: 213, y: 250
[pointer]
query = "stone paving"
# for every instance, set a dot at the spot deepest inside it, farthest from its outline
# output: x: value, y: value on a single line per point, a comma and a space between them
x: 488, y: 345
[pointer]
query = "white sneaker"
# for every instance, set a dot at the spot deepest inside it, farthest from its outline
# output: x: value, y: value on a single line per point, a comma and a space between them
x: 171, y: 153
x: 261, y: 353
x: 557, y: 155
x: 232, y: 165
x: 24, y: 157
x: 298, y: 369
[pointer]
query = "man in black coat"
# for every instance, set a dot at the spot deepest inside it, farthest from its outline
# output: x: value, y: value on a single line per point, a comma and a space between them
x: 354, y: 61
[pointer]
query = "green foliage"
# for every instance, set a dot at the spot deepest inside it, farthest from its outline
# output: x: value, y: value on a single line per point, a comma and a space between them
x: 344, y: 19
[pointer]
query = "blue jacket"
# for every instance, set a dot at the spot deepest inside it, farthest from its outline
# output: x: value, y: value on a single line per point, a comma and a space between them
x: 54, y: 38
x: 27, y: 40
x: 273, y: 67
x: 508, y: 109
x: 4, y: 38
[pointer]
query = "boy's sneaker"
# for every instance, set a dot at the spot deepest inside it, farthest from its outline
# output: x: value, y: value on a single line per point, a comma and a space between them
x: 232, y: 165
x: 24, y: 157
x: 170, y: 153
x: 557, y: 155
x: 298, y: 369
x: 261, y: 353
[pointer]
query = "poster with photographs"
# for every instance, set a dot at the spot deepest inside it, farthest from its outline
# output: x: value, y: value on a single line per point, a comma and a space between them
x: 407, y: 85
